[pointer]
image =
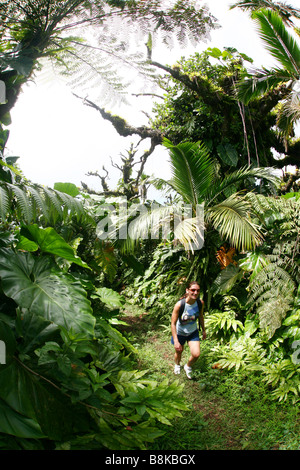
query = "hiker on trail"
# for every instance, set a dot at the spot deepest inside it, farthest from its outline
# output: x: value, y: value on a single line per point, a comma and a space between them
x: 184, y: 328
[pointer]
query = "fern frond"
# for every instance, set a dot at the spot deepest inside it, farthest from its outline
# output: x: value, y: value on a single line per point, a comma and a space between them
x: 4, y: 203
x: 70, y: 204
x: 32, y: 203
x: 272, y: 313
x: 261, y: 204
x: 38, y: 199
x: 22, y: 200
x: 272, y: 294
x: 53, y: 203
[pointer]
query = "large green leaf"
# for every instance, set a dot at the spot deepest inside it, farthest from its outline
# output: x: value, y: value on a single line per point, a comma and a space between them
x: 109, y: 297
x: 228, y: 154
x: 226, y: 279
x: 33, y: 283
x: 34, y: 398
x: 16, y: 424
x: 254, y: 263
x: 68, y: 188
x: 49, y: 241
x: 8, y: 342
x: 34, y: 330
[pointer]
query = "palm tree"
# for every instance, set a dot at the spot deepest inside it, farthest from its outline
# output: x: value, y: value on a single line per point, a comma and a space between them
x: 285, y: 49
x: 196, y: 182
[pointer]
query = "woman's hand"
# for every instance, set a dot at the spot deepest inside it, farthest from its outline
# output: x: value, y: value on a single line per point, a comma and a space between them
x: 178, y: 346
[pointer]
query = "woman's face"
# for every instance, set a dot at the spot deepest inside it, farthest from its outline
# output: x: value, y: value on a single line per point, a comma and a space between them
x: 193, y: 291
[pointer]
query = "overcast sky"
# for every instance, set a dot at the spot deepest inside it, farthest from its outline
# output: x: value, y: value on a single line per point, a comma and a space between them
x: 59, y: 139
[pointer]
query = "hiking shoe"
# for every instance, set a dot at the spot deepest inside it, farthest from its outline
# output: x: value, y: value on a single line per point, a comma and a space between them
x: 177, y: 369
x: 188, y: 371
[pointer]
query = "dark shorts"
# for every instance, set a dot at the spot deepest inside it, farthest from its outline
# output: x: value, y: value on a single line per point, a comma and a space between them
x: 183, y: 339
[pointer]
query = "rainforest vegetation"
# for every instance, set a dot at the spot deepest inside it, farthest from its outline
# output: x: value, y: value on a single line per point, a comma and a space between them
x: 85, y: 354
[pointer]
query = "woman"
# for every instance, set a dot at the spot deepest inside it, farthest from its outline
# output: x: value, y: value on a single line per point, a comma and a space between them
x: 184, y: 327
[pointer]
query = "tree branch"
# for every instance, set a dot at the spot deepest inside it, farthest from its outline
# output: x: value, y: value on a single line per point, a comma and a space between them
x: 290, y: 179
x: 122, y: 127
x: 201, y: 86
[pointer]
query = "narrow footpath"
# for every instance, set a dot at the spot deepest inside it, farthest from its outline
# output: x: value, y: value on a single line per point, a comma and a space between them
x: 207, y: 426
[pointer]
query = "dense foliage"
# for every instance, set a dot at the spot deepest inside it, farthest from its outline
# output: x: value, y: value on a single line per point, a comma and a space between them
x: 242, y: 114
x: 203, y: 107
x: 66, y: 379
x: 70, y: 377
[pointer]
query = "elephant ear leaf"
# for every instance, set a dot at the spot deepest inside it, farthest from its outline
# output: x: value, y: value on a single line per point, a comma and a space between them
x: 34, y: 284
x: 109, y: 297
x: 30, y: 407
x: 16, y: 424
x: 49, y: 241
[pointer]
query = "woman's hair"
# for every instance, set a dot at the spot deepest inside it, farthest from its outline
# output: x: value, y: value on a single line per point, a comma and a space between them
x: 188, y: 286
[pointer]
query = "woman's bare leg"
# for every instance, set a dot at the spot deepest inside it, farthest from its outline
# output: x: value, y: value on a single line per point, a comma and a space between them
x: 195, y: 352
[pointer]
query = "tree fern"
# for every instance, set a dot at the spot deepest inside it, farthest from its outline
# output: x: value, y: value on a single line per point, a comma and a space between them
x: 272, y: 288
x: 94, y: 60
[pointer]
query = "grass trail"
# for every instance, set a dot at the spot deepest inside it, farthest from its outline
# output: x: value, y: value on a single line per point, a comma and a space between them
x: 228, y: 412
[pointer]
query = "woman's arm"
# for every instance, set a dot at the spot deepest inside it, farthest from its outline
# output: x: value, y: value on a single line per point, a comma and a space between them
x: 201, y: 321
x: 175, y: 316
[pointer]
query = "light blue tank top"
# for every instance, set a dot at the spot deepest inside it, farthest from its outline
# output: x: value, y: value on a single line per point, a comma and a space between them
x: 188, y: 322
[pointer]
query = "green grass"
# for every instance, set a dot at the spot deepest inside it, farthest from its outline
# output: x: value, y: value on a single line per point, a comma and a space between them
x: 228, y: 410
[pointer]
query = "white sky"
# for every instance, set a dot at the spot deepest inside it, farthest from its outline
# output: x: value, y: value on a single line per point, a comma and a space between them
x: 58, y: 139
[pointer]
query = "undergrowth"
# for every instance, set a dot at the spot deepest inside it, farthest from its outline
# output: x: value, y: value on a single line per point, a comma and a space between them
x: 229, y: 410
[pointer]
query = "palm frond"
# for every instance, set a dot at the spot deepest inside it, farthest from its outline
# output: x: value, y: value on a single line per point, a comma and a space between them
x: 288, y: 115
x: 278, y: 40
x: 285, y: 10
x: 148, y: 224
x: 260, y: 82
x: 229, y: 181
x: 231, y: 218
x: 70, y: 204
x: 191, y: 160
x: 39, y: 203
x: 53, y: 203
x: 190, y: 233
x: 165, y: 222
x: 283, y: 47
